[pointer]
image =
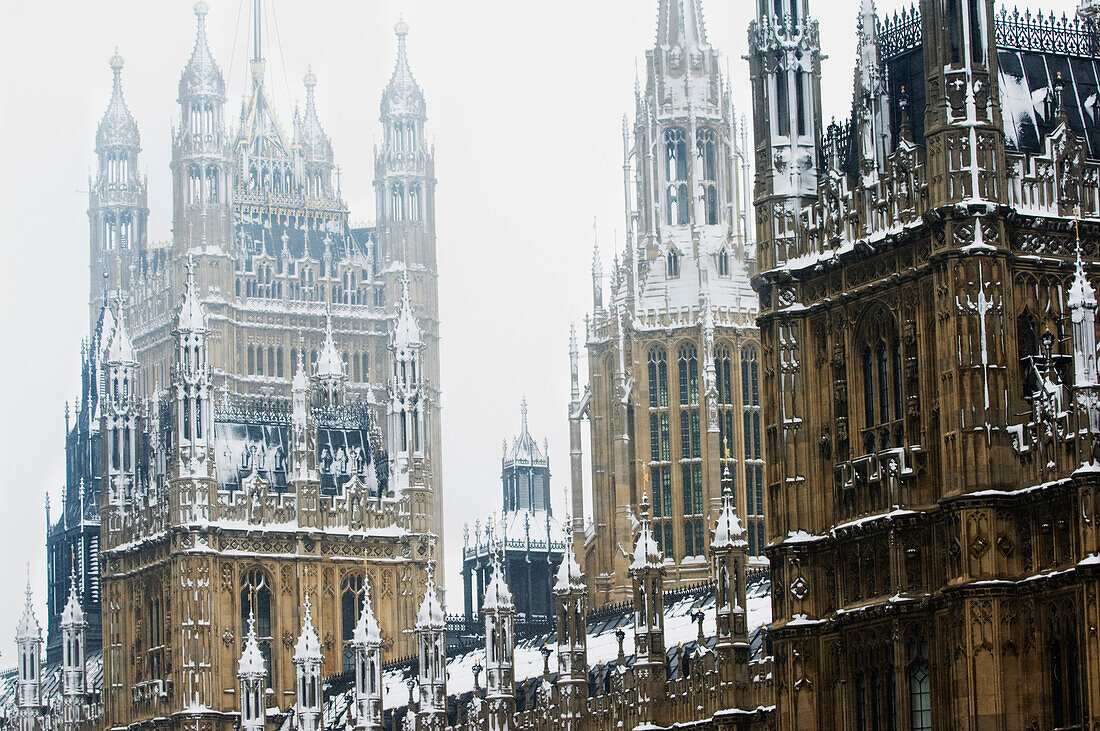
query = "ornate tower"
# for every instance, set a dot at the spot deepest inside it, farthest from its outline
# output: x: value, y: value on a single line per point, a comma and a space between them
x: 307, y: 668
x: 74, y: 671
x: 368, y: 668
x: 572, y: 609
x: 201, y: 194
x: 785, y: 67
x: 431, y: 643
x: 119, y: 430
x: 28, y: 642
x: 404, y: 183
x: 500, y: 688
x: 672, y: 352
x: 647, y: 572
x: 729, y: 554
x: 117, y: 207
x: 252, y: 674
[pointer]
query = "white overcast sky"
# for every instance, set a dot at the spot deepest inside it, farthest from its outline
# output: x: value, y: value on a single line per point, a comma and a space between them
x: 525, y: 102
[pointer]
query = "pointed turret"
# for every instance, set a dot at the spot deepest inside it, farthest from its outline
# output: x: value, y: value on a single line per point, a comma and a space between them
x: 499, y: 613
x: 402, y: 96
x: 367, y: 645
x: 201, y: 76
x: 307, y: 666
x: 330, y: 373
x: 252, y: 674
x: 406, y: 409
x: 431, y: 625
x: 118, y: 129
x: 119, y: 425
x: 117, y: 203
x: 28, y: 640
x: 193, y: 385
x: 315, y: 144
x: 647, y: 574
x: 571, y: 594
x: 729, y: 553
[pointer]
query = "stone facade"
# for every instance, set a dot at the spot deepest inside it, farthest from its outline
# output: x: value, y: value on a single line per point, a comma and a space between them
x: 928, y: 330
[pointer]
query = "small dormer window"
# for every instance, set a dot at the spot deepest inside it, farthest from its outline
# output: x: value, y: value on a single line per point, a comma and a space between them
x: 673, y: 264
x: 723, y: 263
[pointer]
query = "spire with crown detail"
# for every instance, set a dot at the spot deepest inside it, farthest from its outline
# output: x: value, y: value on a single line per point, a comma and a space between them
x: 121, y: 348
x: 311, y: 135
x: 406, y: 331
x: 192, y: 314
x: 647, y: 554
x: 117, y: 128
x: 201, y: 76
x: 402, y: 97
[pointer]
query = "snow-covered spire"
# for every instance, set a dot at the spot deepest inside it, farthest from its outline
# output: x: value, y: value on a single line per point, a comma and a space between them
x: 597, y: 272
x: 432, y: 648
x: 1081, y: 300
x: 73, y: 614
x: 251, y: 664
x: 201, y: 76
x: 430, y: 614
x: 499, y: 613
x: 192, y: 314
x: 28, y: 627
x: 569, y: 577
x: 329, y: 362
x: 647, y: 554
x: 308, y: 646
x: 311, y: 135
x: 118, y: 128
x: 526, y: 451
x: 406, y: 330
x: 680, y: 24
x: 28, y: 640
x: 497, y: 595
x: 121, y: 348
x: 307, y: 665
x: 402, y: 96
x: 728, y: 530
x: 330, y: 374
x: 252, y: 674
x: 73, y: 642
x: 366, y: 639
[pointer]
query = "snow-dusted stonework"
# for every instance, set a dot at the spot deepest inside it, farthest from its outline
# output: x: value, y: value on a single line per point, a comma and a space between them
x: 930, y: 393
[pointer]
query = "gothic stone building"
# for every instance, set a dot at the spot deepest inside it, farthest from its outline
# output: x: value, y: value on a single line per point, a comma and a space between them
x: 673, y: 355
x: 928, y: 369
x: 260, y: 213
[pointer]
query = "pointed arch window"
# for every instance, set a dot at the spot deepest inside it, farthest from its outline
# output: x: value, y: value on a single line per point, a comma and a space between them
x: 881, y: 372
x: 414, y: 202
x: 706, y: 147
x: 724, y: 263
x: 351, y: 606
x: 676, y: 176
x: 920, y: 686
x: 673, y: 264
x: 397, y: 202
x: 257, y: 599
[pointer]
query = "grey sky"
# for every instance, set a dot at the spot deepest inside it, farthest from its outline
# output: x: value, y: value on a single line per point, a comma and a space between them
x: 525, y: 103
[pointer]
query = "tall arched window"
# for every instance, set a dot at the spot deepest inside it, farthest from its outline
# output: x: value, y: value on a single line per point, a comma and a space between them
x: 724, y: 263
x: 672, y: 267
x: 397, y: 202
x: 414, y: 202
x: 920, y: 686
x: 706, y: 144
x: 1027, y: 348
x: 351, y: 606
x: 256, y: 599
x: 753, y: 454
x: 251, y: 360
x: 880, y: 367
x: 676, y: 176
